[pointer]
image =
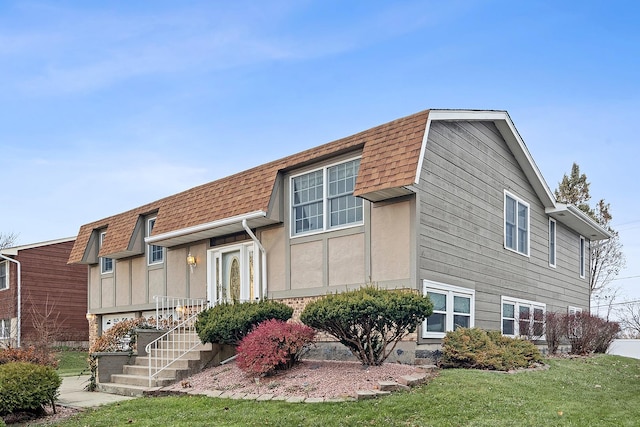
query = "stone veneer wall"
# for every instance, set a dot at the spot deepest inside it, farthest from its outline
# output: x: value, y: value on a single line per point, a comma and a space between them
x: 94, y: 329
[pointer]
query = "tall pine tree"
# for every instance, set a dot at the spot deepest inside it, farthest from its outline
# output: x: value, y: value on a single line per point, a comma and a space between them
x: 607, y: 258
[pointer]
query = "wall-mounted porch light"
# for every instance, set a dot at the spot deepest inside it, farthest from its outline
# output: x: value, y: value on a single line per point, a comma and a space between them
x: 191, y: 261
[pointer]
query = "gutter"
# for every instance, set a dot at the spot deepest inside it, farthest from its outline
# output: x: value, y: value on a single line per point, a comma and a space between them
x: 263, y: 252
x: 19, y: 307
x: 204, y: 227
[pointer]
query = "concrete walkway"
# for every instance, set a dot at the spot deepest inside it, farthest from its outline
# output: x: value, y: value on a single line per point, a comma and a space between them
x: 73, y: 394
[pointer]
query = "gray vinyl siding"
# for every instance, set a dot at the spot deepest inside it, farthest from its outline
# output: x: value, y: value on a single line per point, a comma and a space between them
x: 467, y: 168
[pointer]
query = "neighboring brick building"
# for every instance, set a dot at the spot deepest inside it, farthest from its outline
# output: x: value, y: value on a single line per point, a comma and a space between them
x: 53, y: 295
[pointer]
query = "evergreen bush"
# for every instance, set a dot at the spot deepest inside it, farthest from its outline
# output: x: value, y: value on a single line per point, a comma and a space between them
x: 474, y: 348
x: 27, y: 387
x: 369, y: 321
x: 229, y: 323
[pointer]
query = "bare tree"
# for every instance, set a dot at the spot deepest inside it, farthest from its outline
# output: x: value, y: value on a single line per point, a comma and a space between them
x: 7, y: 239
x: 47, y: 323
x: 607, y: 258
x: 629, y: 314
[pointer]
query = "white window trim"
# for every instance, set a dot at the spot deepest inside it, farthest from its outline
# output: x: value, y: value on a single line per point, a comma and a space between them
x: 103, y: 259
x: 582, y: 257
x: 451, y: 291
x: 325, y: 206
x: 504, y: 223
x: 553, y: 251
x: 8, y: 281
x: 517, y: 302
x: 573, y: 310
x: 149, y: 247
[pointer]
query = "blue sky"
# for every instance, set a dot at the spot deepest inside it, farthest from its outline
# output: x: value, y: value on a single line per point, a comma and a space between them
x: 110, y: 105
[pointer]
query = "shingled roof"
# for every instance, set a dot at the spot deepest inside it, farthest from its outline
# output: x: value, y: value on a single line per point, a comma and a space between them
x: 389, y: 163
x: 391, y: 156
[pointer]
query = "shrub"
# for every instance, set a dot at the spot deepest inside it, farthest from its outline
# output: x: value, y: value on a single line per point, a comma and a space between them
x: 555, y: 330
x: 31, y: 355
x: 588, y: 333
x: 475, y: 348
x: 119, y: 337
x: 273, y: 345
x: 606, y: 334
x: 369, y: 321
x: 27, y: 387
x: 229, y: 323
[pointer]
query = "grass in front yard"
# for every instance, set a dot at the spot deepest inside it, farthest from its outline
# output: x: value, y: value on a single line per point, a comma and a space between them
x: 72, y: 362
x: 597, y: 391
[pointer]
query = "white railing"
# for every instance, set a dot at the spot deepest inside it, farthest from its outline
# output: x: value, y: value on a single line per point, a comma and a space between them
x: 171, y: 310
x: 179, y: 315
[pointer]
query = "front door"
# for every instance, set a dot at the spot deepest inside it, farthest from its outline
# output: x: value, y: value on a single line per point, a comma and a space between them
x: 231, y: 275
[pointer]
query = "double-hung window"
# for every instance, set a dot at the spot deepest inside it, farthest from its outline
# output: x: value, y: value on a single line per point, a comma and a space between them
x: 155, y: 254
x: 4, y: 275
x: 522, y: 318
x: 453, y: 307
x: 583, y: 256
x: 552, y: 242
x: 516, y: 224
x: 323, y: 199
x: 106, y: 264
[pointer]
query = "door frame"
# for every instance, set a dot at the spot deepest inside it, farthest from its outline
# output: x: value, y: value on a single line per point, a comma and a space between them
x: 248, y: 261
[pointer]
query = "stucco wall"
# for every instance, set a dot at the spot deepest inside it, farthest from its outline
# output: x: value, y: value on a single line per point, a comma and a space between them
x: 390, y: 241
x: 346, y: 261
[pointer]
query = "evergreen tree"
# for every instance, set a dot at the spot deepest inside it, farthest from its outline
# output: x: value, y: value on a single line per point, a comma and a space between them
x: 607, y: 258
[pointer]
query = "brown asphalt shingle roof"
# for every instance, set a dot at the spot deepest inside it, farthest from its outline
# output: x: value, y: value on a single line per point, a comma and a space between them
x: 390, y: 156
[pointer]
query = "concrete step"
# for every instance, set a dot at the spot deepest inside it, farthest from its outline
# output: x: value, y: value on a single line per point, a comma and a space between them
x: 182, y: 363
x: 124, y: 389
x: 184, y: 341
x: 190, y: 355
x: 144, y: 371
x: 141, y: 380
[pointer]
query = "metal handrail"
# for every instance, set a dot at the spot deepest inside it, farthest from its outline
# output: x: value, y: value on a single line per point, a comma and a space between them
x: 180, y: 339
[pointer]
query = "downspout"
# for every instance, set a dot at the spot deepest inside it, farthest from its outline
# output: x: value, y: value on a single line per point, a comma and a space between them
x: 19, y: 307
x: 263, y: 252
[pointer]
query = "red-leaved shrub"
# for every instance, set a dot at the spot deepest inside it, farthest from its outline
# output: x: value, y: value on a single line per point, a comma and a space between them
x: 30, y: 355
x: 273, y: 345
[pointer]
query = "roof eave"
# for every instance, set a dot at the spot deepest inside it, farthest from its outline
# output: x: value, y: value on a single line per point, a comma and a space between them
x: 210, y: 229
x: 15, y: 249
x: 577, y: 220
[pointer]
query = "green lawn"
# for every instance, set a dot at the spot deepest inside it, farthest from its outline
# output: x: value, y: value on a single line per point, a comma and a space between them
x: 72, y: 362
x: 598, y: 391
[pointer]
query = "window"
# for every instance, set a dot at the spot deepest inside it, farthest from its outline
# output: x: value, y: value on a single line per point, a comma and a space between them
x: 583, y: 258
x: 317, y: 207
x: 106, y: 264
x: 5, y: 329
x: 552, y: 242
x: 516, y: 224
x: 155, y: 254
x: 453, y: 307
x: 522, y: 318
x: 574, y: 325
x: 4, y: 275
x: 574, y: 310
